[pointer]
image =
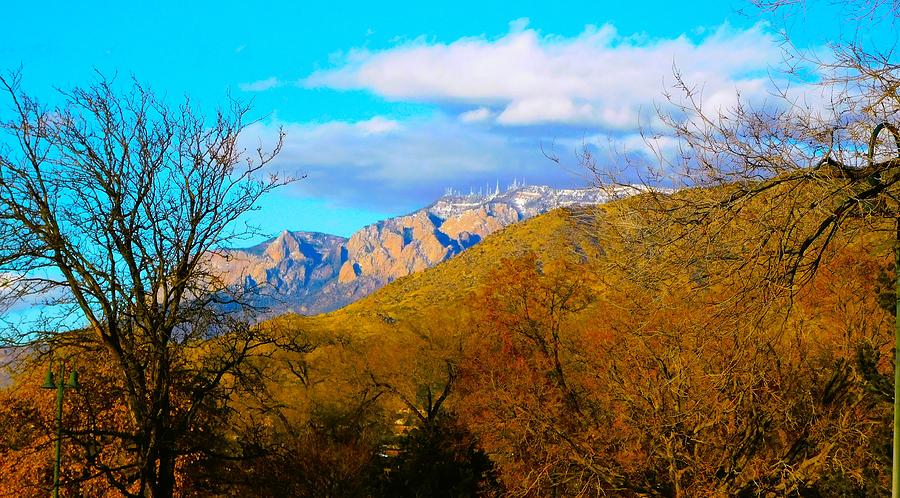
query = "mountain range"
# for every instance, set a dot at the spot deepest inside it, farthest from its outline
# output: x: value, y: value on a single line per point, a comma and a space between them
x: 311, y: 273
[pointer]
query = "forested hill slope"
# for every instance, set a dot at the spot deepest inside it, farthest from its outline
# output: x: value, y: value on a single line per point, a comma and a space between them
x: 578, y: 343
x: 559, y: 233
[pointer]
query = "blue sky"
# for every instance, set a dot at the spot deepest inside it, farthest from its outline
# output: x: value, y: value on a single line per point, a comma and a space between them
x: 386, y: 105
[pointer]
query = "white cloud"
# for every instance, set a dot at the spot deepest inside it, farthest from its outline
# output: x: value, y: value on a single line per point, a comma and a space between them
x: 20, y: 293
x: 261, y: 85
x: 476, y: 115
x: 377, y: 126
x: 498, y: 101
x: 545, y: 109
x: 519, y: 25
x: 598, y: 78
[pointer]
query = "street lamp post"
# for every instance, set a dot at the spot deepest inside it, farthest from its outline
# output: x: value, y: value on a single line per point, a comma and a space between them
x: 895, y: 456
x: 60, y: 386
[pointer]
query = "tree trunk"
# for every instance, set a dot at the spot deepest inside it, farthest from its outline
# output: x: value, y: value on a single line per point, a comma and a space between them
x: 164, y: 485
x: 895, y: 460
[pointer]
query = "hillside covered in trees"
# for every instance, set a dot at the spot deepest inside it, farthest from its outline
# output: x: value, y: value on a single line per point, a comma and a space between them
x: 561, y: 356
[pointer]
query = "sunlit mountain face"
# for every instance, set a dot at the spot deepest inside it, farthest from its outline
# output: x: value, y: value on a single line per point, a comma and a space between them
x: 309, y: 273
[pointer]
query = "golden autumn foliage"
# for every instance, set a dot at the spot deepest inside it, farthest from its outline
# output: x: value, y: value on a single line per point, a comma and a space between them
x: 594, y: 362
x: 563, y: 356
x: 94, y: 418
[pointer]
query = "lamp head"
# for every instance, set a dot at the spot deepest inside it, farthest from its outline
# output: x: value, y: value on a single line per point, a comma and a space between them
x: 48, y: 381
x: 73, y: 380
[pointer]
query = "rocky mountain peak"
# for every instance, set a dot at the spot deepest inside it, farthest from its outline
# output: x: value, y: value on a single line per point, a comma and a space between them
x: 284, y: 246
x: 296, y: 246
x: 309, y: 272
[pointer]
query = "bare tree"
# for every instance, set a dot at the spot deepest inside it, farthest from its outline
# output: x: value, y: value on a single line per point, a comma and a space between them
x: 786, y: 180
x: 111, y: 203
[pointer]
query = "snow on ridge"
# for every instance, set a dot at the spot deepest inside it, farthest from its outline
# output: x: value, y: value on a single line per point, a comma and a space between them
x: 527, y: 200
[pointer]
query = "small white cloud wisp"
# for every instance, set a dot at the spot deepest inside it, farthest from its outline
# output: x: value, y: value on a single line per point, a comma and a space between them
x: 261, y: 85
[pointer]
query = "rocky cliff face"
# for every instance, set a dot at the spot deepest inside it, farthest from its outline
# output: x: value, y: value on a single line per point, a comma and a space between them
x: 313, y: 273
x: 289, y: 269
